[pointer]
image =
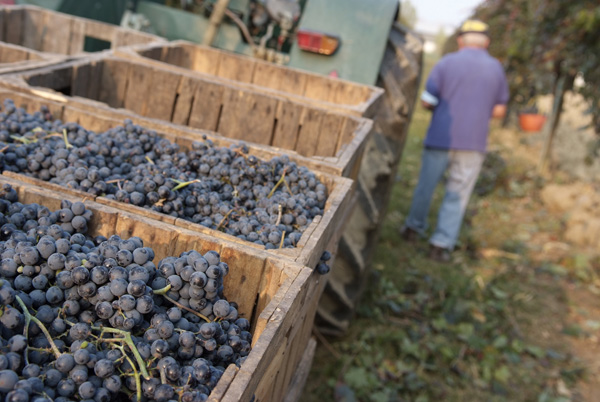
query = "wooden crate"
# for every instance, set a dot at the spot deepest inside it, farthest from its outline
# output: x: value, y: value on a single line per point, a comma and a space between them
x: 16, y: 58
x: 62, y: 34
x: 332, y: 139
x: 247, y: 72
x: 271, y: 293
x: 322, y: 234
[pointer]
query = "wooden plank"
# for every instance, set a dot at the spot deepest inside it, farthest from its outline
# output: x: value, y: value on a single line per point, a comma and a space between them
x: 139, y: 82
x: 163, y: 94
x: 77, y: 41
x: 205, y: 60
x: 330, y: 132
x: 236, y: 68
x: 206, y: 110
x: 288, y: 125
x: 248, y: 116
x: 265, y: 388
x: 172, y: 55
x: 268, y: 75
x: 14, y: 25
x: 178, y: 56
x: 344, y: 93
x: 184, y: 101
x: 158, y: 234
x: 293, y: 82
x: 318, y: 87
x: 34, y: 29
x: 57, y: 35
x: 99, y: 30
x: 268, y: 351
x: 269, y: 310
x: 97, y: 70
x: 115, y: 78
x: 250, y: 279
x: 296, y: 386
x: 155, y: 52
x: 310, y: 130
x: 82, y: 78
x: 272, y: 279
x: 11, y: 55
x: 348, y: 132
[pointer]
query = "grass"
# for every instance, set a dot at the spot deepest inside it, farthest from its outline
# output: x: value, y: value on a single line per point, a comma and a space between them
x: 496, y: 324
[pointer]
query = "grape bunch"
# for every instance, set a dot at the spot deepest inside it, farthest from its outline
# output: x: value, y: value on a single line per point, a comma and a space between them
x: 94, y: 319
x: 269, y: 203
x: 322, y: 267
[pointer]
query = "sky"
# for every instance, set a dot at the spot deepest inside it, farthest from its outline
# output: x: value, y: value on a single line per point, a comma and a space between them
x: 449, y: 14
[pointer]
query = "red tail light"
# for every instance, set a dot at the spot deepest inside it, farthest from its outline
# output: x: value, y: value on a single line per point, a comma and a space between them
x: 318, y: 42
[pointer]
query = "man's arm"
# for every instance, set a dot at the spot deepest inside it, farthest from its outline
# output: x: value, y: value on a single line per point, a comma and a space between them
x: 428, y: 100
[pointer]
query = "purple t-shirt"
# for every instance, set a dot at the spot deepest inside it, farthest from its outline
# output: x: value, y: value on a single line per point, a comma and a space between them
x: 467, y: 85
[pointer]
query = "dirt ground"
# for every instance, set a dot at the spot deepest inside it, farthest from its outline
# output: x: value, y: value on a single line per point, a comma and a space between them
x: 575, y: 176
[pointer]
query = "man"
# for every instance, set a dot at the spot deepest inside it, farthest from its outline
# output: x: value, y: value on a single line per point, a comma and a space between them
x: 464, y: 90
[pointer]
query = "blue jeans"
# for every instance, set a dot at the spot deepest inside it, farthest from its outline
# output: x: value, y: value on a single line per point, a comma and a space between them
x: 463, y: 169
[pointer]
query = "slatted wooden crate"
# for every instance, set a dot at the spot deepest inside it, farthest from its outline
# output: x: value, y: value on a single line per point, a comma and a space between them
x: 272, y: 293
x: 327, y: 92
x: 334, y: 140
x: 322, y: 233
x: 62, y: 34
x: 16, y: 58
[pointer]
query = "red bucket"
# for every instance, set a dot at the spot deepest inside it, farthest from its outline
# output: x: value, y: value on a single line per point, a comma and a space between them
x: 531, y: 122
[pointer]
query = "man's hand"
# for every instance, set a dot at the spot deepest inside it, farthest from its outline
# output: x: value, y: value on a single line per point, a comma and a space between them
x: 499, y: 111
x: 427, y: 106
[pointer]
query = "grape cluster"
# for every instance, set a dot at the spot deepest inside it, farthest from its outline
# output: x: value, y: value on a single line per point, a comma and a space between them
x: 322, y: 267
x: 93, y: 318
x: 269, y: 203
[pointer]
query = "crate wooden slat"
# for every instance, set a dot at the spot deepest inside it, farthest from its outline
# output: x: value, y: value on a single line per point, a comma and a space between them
x: 246, y: 72
x: 331, y: 139
x: 16, y: 58
x: 271, y: 301
x: 323, y: 232
x: 57, y: 33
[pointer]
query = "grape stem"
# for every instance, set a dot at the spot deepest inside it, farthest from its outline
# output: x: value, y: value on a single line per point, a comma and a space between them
x: 29, y: 318
x: 225, y: 218
x: 279, y: 211
x: 282, y: 238
x: 162, y: 291
x: 149, y: 160
x: 186, y: 308
x: 279, y: 183
x: 21, y: 139
x: 4, y: 149
x: 138, y: 382
x: 66, y: 140
x: 129, y: 342
x: 182, y: 184
x: 114, y: 181
x: 163, y: 376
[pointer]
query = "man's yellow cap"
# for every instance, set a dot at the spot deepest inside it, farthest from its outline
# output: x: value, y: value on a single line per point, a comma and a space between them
x: 474, y: 26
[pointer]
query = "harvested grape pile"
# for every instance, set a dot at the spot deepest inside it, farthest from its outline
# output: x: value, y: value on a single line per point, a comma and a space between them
x: 269, y: 203
x: 95, y: 319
